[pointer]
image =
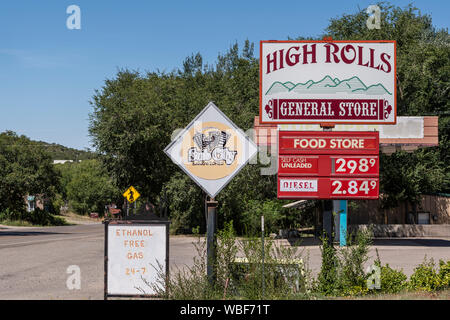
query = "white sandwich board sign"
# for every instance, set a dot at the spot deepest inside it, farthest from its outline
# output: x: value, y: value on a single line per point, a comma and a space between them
x: 136, y: 255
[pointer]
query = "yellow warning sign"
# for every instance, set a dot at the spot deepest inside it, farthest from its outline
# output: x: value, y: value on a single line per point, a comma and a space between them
x: 131, y: 194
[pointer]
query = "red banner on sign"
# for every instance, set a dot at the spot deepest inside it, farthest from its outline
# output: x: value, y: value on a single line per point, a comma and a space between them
x: 345, y: 142
x: 327, y: 188
x: 328, y: 166
x: 328, y: 109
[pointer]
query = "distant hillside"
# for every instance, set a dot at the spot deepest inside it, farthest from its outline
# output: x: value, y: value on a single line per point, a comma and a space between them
x: 59, y: 152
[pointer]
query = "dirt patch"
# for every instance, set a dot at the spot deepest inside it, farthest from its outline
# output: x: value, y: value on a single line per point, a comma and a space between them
x: 74, y: 218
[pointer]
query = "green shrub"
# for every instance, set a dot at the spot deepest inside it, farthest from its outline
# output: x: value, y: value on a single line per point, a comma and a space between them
x: 351, y: 262
x: 358, y: 290
x: 342, y: 271
x: 392, y: 281
x: 425, y: 277
x: 188, y: 283
x: 36, y: 217
x: 327, y: 280
x: 286, y: 275
x: 44, y: 218
x: 186, y: 204
x: 226, y: 253
x: 254, y: 209
x: 444, y: 274
x: 10, y: 215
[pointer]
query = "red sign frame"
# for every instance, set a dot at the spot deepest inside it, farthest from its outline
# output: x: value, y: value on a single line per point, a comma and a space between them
x: 327, y: 188
x: 328, y: 165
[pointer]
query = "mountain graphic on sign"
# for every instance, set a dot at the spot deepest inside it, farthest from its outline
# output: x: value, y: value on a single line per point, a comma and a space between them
x: 328, y: 85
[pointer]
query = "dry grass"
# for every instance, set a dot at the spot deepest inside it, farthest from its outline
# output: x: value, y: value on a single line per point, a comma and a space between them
x: 73, y: 218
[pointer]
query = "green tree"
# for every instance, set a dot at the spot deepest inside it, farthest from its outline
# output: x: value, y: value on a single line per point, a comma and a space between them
x: 406, y: 176
x: 25, y: 169
x: 423, y: 55
x: 87, y: 186
x: 185, y: 203
x: 134, y: 115
x: 423, y: 73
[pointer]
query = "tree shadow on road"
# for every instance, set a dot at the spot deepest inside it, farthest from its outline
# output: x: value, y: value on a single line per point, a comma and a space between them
x: 413, y: 242
x: 29, y: 233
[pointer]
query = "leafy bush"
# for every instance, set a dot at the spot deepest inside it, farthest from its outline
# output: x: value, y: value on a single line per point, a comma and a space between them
x: 351, y: 262
x: 358, y: 290
x: 186, y: 204
x: 239, y: 272
x: 444, y: 274
x: 44, y: 218
x: 342, y: 271
x: 226, y: 254
x: 254, y: 209
x: 36, y: 217
x: 425, y: 277
x: 188, y: 283
x: 286, y: 275
x: 327, y: 280
x: 10, y: 215
x: 392, y: 281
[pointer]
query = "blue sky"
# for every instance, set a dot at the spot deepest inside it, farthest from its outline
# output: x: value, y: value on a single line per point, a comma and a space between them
x: 49, y: 73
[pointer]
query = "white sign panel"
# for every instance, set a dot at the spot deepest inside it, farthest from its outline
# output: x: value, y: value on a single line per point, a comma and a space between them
x: 405, y: 128
x: 134, y: 252
x: 328, y: 82
x: 211, y: 150
x: 297, y: 185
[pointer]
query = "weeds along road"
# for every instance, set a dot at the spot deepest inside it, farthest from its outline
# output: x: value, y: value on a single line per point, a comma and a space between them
x: 34, y: 261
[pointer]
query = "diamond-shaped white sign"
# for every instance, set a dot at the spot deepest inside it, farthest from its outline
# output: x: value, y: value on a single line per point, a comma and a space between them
x: 211, y: 150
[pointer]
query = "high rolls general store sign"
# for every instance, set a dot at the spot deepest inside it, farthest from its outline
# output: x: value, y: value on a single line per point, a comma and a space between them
x: 328, y: 82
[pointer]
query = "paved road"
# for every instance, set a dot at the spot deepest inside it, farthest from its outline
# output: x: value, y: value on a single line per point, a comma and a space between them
x: 33, y: 261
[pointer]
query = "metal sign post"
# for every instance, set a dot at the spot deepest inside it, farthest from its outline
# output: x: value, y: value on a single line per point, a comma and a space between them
x: 327, y: 221
x: 211, y: 150
x: 211, y: 240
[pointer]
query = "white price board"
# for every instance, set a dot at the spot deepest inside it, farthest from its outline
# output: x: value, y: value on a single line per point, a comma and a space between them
x: 135, y: 253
